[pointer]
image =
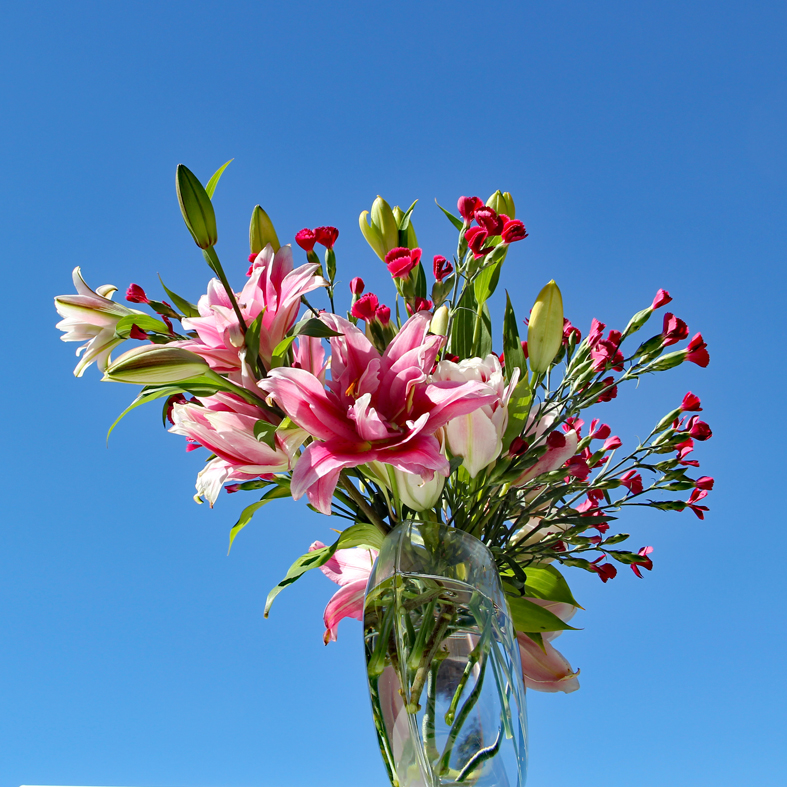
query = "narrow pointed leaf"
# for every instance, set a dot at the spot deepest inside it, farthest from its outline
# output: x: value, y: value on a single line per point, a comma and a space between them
x: 214, y: 181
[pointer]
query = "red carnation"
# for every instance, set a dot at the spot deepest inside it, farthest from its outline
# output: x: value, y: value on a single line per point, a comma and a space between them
x: 488, y: 219
x: 674, y: 330
x: 476, y: 238
x: 468, y: 206
x: 610, y: 394
x: 513, y: 230
x: 645, y: 561
x: 632, y: 481
x: 698, y: 352
x: 401, y: 261
x: 662, y: 299
x: 442, y: 268
x: 383, y: 314
x: 365, y: 308
x: 356, y: 286
x: 135, y: 294
x: 306, y: 239
x: 704, y: 482
x: 690, y: 403
x: 421, y: 305
x: 699, y: 430
x: 326, y: 236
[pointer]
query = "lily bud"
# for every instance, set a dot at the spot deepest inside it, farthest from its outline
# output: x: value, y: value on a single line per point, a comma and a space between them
x: 502, y: 203
x: 262, y: 232
x: 416, y: 493
x: 381, y: 231
x: 409, y: 239
x: 155, y: 364
x: 196, y: 207
x: 439, y: 324
x: 545, y: 332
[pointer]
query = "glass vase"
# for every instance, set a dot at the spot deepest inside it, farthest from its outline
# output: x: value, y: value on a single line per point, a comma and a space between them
x: 445, y: 677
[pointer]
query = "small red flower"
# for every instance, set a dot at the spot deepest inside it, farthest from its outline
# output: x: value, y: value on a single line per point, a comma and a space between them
x: 568, y: 329
x: 599, y: 431
x: 468, y: 206
x: 356, y: 286
x: 421, y: 305
x: 662, y: 299
x: 513, y: 231
x: 684, y: 449
x: 326, y: 236
x: 577, y: 467
x: 518, y: 447
x: 365, y: 308
x: 306, y: 239
x: 383, y: 314
x: 674, y: 330
x: 699, y: 430
x: 698, y: 351
x: 476, y: 238
x: 690, y: 403
x: 606, y: 571
x: 137, y: 333
x: 488, y: 220
x: 646, y: 562
x: 612, y: 443
x: 556, y: 440
x: 611, y: 393
x: 704, y: 482
x: 694, y: 498
x: 442, y: 268
x: 135, y: 294
x: 401, y: 261
x: 632, y: 481
x: 596, y: 332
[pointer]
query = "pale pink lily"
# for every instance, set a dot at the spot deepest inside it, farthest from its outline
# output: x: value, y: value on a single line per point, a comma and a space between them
x: 273, y: 286
x: 560, y: 448
x: 350, y: 569
x: 91, y: 317
x: 478, y: 436
x: 547, y: 669
x: 224, y: 424
x: 376, y: 407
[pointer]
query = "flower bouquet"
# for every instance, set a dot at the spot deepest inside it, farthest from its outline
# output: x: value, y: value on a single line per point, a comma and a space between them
x: 463, y: 463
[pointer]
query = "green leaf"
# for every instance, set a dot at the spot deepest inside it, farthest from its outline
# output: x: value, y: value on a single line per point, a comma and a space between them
x: 361, y: 534
x: 512, y: 345
x: 486, y: 282
x: 266, y: 433
x: 279, y: 491
x: 529, y: 617
x: 420, y: 281
x: 213, y: 182
x: 405, y: 220
x: 312, y: 326
x: 518, y: 409
x: 547, y: 583
x: 186, y: 307
x: 146, y: 395
x: 457, y: 222
x: 143, y: 321
x: 280, y: 352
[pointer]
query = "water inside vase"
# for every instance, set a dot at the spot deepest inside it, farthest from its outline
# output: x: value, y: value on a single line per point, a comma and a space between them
x: 443, y: 684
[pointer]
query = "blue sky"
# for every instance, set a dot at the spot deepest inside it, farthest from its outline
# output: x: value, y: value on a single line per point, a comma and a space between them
x: 645, y: 146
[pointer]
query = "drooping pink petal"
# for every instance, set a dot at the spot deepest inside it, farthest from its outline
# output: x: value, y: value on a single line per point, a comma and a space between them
x: 545, y: 671
x: 347, y: 602
x: 347, y: 565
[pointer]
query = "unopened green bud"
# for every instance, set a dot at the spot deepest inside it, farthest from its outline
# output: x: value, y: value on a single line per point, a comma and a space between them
x: 372, y: 235
x: 667, y: 420
x: 196, y: 207
x: 261, y: 231
x: 637, y: 321
x: 502, y: 203
x: 439, y: 324
x: 545, y: 331
x: 383, y: 218
x: 668, y: 361
x: 153, y: 365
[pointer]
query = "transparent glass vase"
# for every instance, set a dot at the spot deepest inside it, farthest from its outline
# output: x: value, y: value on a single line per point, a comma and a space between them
x: 445, y: 677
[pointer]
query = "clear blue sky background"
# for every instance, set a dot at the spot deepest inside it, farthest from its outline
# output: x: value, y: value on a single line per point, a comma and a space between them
x: 645, y: 144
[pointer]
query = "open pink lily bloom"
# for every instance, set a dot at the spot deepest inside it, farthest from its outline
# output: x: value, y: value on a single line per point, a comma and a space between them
x: 374, y: 408
x: 547, y: 670
x: 224, y: 424
x: 275, y: 286
x: 350, y: 569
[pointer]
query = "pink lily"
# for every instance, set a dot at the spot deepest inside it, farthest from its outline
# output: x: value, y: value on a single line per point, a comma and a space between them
x: 350, y: 569
x: 547, y: 670
x: 560, y: 448
x: 374, y: 408
x: 224, y: 424
x: 275, y: 286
